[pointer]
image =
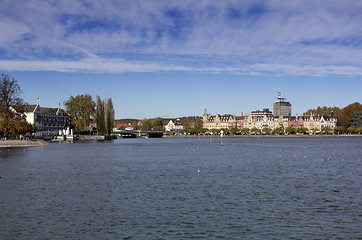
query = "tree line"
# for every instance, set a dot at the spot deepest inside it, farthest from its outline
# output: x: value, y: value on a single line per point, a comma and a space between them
x: 85, y: 113
x: 349, y: 118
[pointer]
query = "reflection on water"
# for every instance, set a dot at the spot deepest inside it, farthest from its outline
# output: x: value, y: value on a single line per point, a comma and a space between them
x: 282, y: 188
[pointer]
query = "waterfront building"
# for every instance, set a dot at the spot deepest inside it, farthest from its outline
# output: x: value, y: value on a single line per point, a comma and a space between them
x: 240, y: 120
x: 282, y: 107
x: 47, y: 121
x: 260, y: 120
x: 316, y: 123
x: 218, y: 121
x: 174, y: 126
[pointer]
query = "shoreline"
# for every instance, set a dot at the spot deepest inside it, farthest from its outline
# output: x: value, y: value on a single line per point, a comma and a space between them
x: 22, y: 143
x: 262, y: 136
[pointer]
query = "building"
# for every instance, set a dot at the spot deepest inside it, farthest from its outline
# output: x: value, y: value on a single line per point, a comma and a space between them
x: 174, y: 126
x: 227, y: 121
x: 282, y: 107
x: 123, y: 126
x: 260, y: 120
x: 47, y: 121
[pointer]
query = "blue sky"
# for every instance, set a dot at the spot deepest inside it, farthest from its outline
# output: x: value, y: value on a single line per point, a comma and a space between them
x: 175, y: 58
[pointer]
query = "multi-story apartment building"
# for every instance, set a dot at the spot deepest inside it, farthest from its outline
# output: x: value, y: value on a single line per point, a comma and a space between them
x: 264, y: 119
x: 218, y: 121
x: 47, y: 121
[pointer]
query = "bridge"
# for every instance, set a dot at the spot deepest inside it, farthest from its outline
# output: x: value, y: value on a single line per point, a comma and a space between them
x: 138, y: 133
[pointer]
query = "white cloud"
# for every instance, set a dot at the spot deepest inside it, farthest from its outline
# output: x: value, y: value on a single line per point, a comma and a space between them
x: 292, y: 38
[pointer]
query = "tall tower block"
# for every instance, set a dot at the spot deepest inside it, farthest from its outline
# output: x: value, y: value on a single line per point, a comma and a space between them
x: 282, y: 107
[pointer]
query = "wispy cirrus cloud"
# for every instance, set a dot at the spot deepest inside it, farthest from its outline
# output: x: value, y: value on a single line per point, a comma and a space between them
x: 237, y: 37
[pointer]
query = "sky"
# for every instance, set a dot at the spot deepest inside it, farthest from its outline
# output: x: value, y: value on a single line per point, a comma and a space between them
x: 176, y: 58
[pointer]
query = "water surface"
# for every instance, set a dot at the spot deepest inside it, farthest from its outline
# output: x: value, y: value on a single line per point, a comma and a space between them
x: 180, y: 188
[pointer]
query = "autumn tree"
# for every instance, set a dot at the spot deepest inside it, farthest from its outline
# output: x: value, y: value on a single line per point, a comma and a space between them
x: 350, y: 110
x: 81, y: 110
x: 11, y: 118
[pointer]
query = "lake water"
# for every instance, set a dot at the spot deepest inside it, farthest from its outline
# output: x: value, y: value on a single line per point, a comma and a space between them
x: 180, y: 188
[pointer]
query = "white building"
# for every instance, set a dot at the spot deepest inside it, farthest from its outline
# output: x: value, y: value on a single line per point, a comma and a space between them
x: 47, y: 121
x: 174, y: 126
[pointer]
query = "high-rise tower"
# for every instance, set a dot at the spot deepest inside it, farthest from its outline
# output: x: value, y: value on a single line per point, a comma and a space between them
x: 282, y: 107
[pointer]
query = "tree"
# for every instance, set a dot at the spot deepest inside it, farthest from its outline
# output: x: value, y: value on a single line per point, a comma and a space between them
x: 359, y: 130
x: 234, y: 131
x: 100, y: 116
x: 351, y: 130
x: 323, y: 111
x: 339, y: 129
x: 255, y: 130
x: 278, y: 131
x: 245, y: 131
x: 157, y: 124
x: 267, y: 130
x: 146, y: 125
x: 302, y: 130
x: 81, y: 110
x: 192, y: 124
x: 347, y: 114
x: 357, y: 119
x: 290, y: 130
x: 109, y: 116
x: 326, y: 129
x: 10, y: 120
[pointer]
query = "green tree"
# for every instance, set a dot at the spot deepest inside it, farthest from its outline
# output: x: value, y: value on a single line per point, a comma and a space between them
x: 339, y: 129
x: 357, y: 119
x: 234, y: 131
x: 290, y: 130
x: 100, y: 116
x: 157, y: 124
x: 351, y: 130
x: 278, y: 131
x: 81, y: 110
x: 245, y: 131
x: 255, y: 130
x: 359, y: 130
x: 323, y: 111
x: 146, y: 125
x: 109, y: 116
x: 302, y: 130
x: 326, y: 129
x: 267, y: 130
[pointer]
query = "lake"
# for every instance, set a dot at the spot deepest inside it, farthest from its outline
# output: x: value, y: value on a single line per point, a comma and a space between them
x: 181, y: 188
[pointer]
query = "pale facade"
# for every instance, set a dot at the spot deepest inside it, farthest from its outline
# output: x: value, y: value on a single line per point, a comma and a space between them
x: 265, y: 119
x: 47, y: 121
x: 174, y: 126
x: 218, y: 121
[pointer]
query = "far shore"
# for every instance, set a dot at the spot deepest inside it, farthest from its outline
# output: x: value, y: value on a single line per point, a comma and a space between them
x: 264, y: 136
x: 22, y: 143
